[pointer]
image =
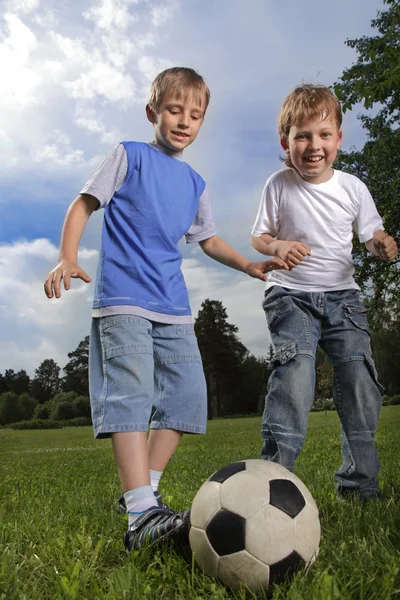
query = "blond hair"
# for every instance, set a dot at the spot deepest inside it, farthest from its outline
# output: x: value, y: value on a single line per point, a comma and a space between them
x: 307, y: 101
x: 179, y: 82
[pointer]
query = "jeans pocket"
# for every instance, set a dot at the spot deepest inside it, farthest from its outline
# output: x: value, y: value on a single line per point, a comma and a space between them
x: 357, y: 315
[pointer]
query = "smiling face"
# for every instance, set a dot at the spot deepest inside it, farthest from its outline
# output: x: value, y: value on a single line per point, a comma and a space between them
x: 312, y: 146
x: 177, y: 121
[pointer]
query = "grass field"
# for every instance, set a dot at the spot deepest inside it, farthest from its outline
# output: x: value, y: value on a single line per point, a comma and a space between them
x: 60, y: 536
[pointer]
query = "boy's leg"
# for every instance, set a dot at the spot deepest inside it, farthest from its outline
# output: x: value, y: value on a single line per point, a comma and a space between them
x: 132, y: 460
x: 293, y: 322
x: 162, y: 443
x: 180, y: 397
x: 356, y: 390
x: 122, y: 390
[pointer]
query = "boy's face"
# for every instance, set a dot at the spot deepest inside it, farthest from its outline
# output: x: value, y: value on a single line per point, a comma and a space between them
x: 176, y: 121
x: 312, y: 146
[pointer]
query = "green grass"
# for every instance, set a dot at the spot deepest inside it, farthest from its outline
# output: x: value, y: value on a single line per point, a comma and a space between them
x: 61, y: 538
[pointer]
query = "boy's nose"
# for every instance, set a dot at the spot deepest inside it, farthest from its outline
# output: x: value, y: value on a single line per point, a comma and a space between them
x: 314, y: 143
x: 184, y: 121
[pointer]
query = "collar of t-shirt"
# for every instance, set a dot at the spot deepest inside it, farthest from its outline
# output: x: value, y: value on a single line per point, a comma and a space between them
x: 164, y: 150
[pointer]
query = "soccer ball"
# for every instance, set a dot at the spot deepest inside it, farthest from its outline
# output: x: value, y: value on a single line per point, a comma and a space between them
x: 252, y: 523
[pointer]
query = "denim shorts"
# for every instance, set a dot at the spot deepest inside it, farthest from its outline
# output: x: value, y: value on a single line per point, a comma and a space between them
x: 143, y: 373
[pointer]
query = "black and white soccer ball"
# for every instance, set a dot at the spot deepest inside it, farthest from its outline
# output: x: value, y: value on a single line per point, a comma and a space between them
x: 252, y: 523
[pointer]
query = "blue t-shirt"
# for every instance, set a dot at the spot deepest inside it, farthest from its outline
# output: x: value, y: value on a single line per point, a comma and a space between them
x: 140, y: 261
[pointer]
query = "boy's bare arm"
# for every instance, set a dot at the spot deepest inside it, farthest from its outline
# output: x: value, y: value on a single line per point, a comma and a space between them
x: 292, y: 253
x: 74, y: 224
x: 220, y: 251
x: 382, y: 245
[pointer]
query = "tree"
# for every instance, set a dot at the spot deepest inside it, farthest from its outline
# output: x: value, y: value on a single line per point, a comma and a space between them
x: 26, y: 405
x: 9, y: 410
x: 47, y: 380
x: 375, y: 80
x: 19, y: 383
x: 77, y: 370
x: 222, y: 352
x: 375, y: 77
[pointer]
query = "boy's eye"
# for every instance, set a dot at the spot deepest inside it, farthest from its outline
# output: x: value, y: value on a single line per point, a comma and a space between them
x: 196, y: 117
x: 326, y: 134
x: 174, y: 111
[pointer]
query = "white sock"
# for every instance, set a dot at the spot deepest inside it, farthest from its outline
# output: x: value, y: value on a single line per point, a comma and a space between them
x: 137, y: 501
x: 155, y: 477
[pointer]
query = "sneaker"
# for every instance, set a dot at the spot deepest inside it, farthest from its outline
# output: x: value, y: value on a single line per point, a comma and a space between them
x: 121, y: 504
x: 155, y: 525
x: 344, y: 493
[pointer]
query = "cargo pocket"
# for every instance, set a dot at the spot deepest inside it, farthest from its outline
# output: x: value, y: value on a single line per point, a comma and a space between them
x: 358, y: 316
x: 281, y: 356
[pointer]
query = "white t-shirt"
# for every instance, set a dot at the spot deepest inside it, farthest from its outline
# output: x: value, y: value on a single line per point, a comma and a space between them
x: 323, y: 216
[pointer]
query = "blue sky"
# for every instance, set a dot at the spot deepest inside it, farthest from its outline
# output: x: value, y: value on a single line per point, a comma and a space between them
x: 74, y: 80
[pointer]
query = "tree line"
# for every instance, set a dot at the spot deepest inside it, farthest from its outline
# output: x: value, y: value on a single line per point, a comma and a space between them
x: 236, y: 379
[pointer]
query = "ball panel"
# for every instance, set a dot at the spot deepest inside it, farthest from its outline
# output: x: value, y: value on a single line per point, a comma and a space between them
x: 286, y: 496
x: 226, y: 472
x: 226, y: 532
x: 266, y: 468
x: 241, y: 568
x: 286, y: 566
x: 307, y: 534
x: 269, y: 534
x: 205, y: 504
x: 275, y: 471
x: 245, y: 493
x: 204, y: 555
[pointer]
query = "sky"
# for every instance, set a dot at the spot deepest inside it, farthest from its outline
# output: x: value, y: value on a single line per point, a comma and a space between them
x: 74, y: 81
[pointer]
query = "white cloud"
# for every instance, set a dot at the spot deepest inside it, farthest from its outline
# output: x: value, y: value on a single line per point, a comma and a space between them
x: 18, y: 82
x: 160, y: 14
x: 23, y: 6
x: 104, y: 80
x: 34, y: 327
x: 110, y: 13
x: 59, y: 152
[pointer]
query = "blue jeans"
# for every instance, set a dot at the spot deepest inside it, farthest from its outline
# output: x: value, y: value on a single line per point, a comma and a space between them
x: 298, y: 321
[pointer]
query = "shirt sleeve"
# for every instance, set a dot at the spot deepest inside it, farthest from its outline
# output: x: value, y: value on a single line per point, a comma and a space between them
x: 267, y: 217
x: 109, y: 177
x: 203, y: 226
x: 368, y: 219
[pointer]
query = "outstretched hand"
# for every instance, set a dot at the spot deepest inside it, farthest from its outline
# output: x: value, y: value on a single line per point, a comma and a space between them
x: 63, y: 271
x: 259, y: 269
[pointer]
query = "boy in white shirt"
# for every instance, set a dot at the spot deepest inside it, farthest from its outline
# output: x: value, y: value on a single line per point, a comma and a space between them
x: 306, y: 217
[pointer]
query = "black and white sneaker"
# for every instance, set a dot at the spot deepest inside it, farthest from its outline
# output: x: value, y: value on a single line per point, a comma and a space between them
x: 121, y: 504
x: 158, y: 525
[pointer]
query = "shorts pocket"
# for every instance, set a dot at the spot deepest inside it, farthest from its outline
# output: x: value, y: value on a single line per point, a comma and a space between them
x: 122, y: 335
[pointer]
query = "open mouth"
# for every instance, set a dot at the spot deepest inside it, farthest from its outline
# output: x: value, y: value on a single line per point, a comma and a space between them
x: 313, y: 159
x: 180, y: 135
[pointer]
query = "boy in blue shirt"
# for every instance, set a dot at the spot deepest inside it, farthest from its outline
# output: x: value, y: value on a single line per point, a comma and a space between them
x: 145, y: 364
x: 307, y: 216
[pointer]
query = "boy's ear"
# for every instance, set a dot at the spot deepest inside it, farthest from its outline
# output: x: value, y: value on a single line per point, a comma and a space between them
x: 340, y: 137
x: 284, y: 145
x: 151, y: 115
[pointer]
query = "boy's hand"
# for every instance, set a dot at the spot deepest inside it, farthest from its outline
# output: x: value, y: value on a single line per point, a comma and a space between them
x: 64, y: 270
x: 384, y: 245
x: 292, y: 253
x: 258, y: 269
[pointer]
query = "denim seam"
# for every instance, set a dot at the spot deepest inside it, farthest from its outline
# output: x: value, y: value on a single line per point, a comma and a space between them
x: 105, y: 377
x: 158, y: 364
